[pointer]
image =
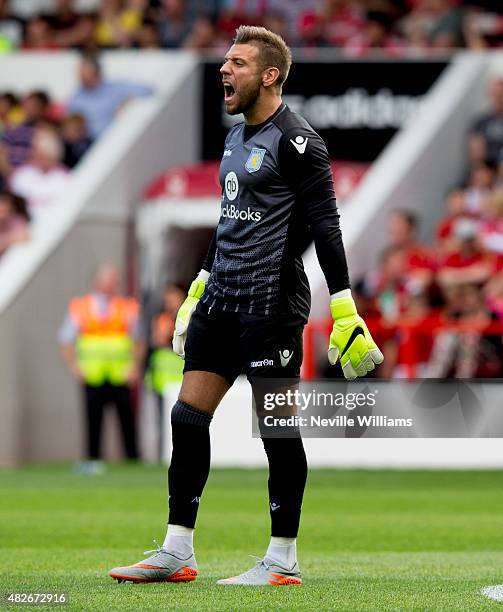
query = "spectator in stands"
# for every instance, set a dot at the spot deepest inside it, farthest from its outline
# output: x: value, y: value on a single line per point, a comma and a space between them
x: 467, y: 353
x: 38, y: 35
x: 147, y: 35
x: 480, y: 183
x: 76, y: 140
x: 486, y: 138
x: 14, y: 220
x: 117, y: 23
x: 468, y: 263
x: 101, y: 346
x: 43, y: 179
x: 174, y: 23
x: 11, y: 112
x: 16, y: 141
x: 376, y: 34
x: 99, y: 100
x: 71, y: 29
x: 491, y: 227
x: 456, y: 209
x: 334, y: 23
x: 204, y: 35
x: 390, y: 289
x: 11, y: 28
x: 419, y: 259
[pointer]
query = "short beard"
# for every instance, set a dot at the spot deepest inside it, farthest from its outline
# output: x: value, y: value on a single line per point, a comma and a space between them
x: 248, y: 97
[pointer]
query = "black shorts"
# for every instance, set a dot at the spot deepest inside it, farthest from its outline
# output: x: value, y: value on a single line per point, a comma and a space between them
x: 230, y: 344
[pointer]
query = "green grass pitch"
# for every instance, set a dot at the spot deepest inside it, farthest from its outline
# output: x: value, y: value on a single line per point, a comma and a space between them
x: 370, y: 540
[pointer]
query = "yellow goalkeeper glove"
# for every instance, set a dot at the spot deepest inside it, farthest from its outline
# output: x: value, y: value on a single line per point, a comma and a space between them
x: 351, y: 341
x: 185, y: 311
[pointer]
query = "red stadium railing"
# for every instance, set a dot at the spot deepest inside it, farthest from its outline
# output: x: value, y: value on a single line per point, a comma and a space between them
x: 409, y: 335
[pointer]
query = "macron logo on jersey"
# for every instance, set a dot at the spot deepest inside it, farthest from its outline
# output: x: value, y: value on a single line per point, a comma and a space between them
x: 300, y: 144
x: 233, y: 212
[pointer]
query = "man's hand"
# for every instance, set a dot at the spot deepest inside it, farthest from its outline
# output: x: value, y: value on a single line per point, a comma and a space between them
x: 351, y: 340
x: 196, y: 290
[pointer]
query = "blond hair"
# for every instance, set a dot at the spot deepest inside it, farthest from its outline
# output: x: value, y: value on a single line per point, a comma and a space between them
x: 273, y: 50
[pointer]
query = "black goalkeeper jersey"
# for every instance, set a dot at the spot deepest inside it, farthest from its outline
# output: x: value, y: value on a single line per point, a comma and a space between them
x: 277, y: 196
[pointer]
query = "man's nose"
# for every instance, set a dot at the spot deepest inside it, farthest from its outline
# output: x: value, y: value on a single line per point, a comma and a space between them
x: 225, y: 68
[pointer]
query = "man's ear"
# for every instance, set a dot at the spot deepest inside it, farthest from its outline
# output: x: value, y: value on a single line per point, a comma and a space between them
x: 270, y: 77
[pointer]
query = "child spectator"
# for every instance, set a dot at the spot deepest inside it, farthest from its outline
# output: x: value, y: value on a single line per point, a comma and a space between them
x: 76, y: 140
x: 13, y: 220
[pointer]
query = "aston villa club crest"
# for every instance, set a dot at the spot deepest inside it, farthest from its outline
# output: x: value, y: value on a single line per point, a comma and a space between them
x: 255, y: 159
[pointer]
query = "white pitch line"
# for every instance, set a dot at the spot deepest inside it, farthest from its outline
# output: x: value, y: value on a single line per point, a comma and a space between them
x: 493, y: 592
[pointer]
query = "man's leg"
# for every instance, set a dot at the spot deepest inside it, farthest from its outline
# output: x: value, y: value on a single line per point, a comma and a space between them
x: 191, y: 416
x: 93, y: 405
x: 121, y: 396
x: 278, y: 348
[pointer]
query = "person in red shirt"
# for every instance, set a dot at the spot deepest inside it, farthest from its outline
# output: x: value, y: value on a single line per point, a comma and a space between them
x: 419, y: 258
x: 468, y: 263
x: 456, y: 209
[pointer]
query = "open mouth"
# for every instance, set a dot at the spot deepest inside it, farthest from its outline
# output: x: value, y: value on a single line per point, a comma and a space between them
x: 229, y: 92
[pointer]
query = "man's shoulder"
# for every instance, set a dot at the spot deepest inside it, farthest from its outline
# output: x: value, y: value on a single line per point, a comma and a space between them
x: 234, y: 130
x: 289, y: 121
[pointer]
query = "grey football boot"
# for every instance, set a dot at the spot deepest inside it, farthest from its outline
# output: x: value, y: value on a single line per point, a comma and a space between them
x: 162, y: 566
x: 266, y: 572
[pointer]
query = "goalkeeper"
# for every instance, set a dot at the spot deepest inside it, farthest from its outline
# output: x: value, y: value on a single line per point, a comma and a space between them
x: 247, y: 308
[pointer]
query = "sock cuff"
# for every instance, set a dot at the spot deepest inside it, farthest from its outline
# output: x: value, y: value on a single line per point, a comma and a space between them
x: 278, y: 541
x: 180, y: 530
x: 188, y: 415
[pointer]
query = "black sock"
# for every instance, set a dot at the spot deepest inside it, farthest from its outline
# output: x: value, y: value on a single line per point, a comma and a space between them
x: 287, y: 480
x: 190, y: 462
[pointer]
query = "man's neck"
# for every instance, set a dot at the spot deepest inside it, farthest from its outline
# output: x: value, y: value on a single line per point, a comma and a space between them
x: 262, y: 111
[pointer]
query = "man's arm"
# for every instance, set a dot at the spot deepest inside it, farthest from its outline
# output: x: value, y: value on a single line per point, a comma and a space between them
x: 305, y: 165
x: 67, y: 337
x: 310, y: 176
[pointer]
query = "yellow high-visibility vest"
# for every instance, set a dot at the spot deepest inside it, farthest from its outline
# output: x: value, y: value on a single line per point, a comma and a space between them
x: 105, y: 349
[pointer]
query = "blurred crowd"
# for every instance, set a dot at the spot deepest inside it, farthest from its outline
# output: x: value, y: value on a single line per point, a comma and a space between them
x: 455, y: 282
x: 41, y: 140
x: 354, y: 26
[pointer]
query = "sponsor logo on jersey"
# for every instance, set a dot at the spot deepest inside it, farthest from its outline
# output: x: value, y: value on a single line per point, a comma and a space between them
x: 262, y: 363
x: 255, y: 159
x: 231, y: 185
x: 299, y: 143
x: 233, y: 212
x: 227, y: 152
x: 285, y: 357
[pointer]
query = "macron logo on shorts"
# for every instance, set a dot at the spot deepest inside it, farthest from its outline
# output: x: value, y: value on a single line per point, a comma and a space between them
x: 263, y: 363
